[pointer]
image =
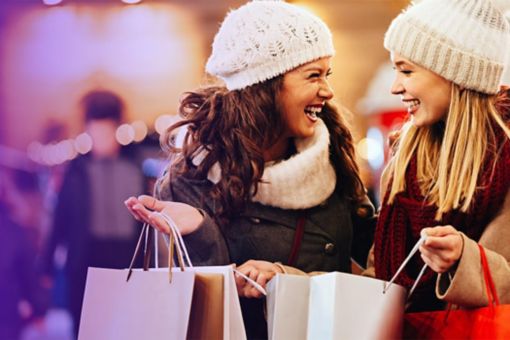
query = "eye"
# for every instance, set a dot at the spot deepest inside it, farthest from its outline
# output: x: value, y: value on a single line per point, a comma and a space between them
x: 328, y: 74
x: 314, y: 75
x: 405, y: 71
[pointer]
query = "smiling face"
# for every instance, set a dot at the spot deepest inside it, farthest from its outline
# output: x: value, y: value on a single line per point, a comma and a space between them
x: 304, y: 92
x: 425, y: 94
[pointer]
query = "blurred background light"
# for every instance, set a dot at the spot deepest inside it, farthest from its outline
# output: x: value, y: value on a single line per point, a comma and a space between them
x: 163, y: 122
x: 125, y: 134
x: 83, y: 143
x: 140, y: 129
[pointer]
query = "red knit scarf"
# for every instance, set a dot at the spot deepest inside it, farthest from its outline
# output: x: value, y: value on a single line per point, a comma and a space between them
x: 399, y: 224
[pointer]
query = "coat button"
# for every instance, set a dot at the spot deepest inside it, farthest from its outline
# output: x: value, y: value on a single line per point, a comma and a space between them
x: 330, y: 249
x: 255, y: 220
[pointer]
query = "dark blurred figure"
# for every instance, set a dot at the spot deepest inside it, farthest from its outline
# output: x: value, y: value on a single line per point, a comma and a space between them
x: 22, y: 298
x: 90, y: 220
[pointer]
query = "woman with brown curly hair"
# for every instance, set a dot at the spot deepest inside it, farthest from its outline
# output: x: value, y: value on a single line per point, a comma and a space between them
x: 267, y: 168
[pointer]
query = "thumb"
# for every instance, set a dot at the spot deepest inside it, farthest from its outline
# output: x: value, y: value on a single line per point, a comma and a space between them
x: 151, y: 203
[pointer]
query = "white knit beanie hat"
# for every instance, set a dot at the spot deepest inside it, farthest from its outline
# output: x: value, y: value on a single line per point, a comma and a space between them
x: 464, y: 41
x: 264, y: 39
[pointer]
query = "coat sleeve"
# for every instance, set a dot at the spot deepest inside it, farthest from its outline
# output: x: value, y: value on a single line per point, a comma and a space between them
x: 466, y: 285
x: 206, y: 245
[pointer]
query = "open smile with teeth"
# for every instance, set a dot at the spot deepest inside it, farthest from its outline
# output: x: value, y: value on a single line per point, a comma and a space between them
x: 412, y: 105
x: 312, y: 111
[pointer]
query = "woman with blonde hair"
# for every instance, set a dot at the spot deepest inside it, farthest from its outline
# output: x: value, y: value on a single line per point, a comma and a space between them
x: 450, y: 171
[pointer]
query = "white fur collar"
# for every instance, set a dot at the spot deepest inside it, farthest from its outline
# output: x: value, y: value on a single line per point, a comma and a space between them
x: 300, y: 182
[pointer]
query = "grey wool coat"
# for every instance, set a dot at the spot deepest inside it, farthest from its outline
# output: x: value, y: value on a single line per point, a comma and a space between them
x: 263, y: 232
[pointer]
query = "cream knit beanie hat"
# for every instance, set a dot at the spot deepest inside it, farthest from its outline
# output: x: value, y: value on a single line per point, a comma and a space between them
x: 465, y: 41
x: 264, y: 39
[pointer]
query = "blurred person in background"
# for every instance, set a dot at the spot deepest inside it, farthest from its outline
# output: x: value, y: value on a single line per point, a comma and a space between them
x: 22, y: 297
x: 90, y: 221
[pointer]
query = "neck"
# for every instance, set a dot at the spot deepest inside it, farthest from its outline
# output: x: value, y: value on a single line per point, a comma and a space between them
x: 278, y: 150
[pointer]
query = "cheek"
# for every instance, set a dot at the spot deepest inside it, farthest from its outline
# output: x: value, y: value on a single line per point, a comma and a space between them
x: 443, y: 105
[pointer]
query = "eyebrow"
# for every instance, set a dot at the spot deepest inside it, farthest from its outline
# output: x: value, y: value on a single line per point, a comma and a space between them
x: 315, y: 68
x: 402, y: 63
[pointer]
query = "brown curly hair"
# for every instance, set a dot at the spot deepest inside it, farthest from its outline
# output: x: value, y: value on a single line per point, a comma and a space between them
x: 235, y: 127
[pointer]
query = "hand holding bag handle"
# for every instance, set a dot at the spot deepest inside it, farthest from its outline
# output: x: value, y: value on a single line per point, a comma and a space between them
x: 489, y: 282
x: 175, y: 239
x: 179, y: 241
x: 423, y: 238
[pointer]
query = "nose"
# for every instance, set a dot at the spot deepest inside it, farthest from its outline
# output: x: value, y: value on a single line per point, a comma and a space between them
x: 396, y: 87
x: 325, y: 91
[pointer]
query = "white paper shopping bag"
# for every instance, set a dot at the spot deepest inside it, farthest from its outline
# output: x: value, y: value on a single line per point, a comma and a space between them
x: 287, y: 307
x: 333, y: 306
x: 146, y: 307
x: 347, y: 306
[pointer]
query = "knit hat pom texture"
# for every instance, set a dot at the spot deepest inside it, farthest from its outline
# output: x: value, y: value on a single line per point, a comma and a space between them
x: 264, y: 39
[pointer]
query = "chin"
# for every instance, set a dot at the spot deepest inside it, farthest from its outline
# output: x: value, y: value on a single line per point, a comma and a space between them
x: 418, y: 121
x: 306, y: 134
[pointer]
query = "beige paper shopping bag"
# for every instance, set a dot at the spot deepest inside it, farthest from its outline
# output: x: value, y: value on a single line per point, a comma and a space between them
x: 347, y: 306
x: 233, y: 325
x: 206, y: 317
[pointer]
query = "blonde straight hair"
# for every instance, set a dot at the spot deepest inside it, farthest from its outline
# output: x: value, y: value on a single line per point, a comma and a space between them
x: 451, y: 154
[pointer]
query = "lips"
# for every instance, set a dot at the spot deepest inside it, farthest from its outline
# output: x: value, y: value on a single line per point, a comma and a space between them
x: 411, y: 104
x: 311, y: 111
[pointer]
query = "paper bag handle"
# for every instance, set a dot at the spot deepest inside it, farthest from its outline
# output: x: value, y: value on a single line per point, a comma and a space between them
x: 143, y: 233
x: 423, y: 237
x: 175, y: 239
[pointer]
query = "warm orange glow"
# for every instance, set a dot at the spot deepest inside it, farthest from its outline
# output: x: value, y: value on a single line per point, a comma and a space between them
x: 148, y: 54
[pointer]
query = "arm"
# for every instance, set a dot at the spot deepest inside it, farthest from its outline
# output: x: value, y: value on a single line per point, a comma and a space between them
x: 201, y: 233
x: 466, y: 286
